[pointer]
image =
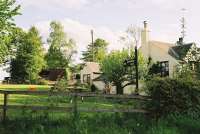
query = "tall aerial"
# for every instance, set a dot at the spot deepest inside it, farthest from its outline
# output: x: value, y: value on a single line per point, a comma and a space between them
x: 183, y: 23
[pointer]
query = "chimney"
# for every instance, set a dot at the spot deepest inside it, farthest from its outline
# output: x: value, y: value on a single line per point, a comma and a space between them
x: 180, y: 41
x: 145, y: 40
x: 145, y: 24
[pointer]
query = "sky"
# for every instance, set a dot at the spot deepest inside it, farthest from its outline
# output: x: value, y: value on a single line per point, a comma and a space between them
x: 110, y: 18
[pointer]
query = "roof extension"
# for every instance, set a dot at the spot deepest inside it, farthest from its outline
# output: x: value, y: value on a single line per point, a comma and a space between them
x: 180, y: 51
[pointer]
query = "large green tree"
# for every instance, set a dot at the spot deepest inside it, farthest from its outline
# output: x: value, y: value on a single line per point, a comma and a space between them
x: 61, y: 47
x: 115, y: 72
x: 29, y: 59
x: 95, y: 52
x: 8, y: 9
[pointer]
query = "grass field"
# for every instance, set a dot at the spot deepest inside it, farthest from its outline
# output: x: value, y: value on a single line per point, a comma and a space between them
x: 32, y: 122
x: 24, y: 87
x: 62, y: 101
x: 48, y: 122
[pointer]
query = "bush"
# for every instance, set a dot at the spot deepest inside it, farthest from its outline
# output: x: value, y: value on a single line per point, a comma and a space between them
x: 61, y: 85
x: 93, y: 88
x: 173, y: 96
x: 42, y: 82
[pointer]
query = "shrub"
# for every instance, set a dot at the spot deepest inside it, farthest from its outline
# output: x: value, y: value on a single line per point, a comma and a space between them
x: 42, y: 82
x: 93, y: 88
x: 173, y: 96
x: 61, y: 85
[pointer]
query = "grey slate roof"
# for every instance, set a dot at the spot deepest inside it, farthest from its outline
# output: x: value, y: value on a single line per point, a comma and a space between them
x: 180, y: 51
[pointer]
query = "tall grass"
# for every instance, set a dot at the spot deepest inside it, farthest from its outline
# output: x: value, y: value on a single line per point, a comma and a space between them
x: 31, y: 122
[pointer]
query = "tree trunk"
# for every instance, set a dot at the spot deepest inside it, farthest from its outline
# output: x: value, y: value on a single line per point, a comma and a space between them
x: 119, y: 88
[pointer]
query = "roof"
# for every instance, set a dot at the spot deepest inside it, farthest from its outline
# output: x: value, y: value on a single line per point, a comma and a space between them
x: 176, y: 51
x: 180, y: 51
x: 52, y: 74
x: 162, y: 45
x: 93, y: 66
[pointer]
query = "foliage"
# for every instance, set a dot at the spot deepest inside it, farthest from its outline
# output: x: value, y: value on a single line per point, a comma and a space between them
x: 61, y: 85
x: 191, y: 67
x: 58, y: 123
x: 193, y: 54
x: 4, y: 49
x: 115, y: 72
x: 99, y: 51
x: 153, y: 69
x: 93, y: 88
x: 61, y: 47
x: 8, y: 10
x: 184, y: 72
x: 132, y: 37
x: 29, y: 59
x: 173, y: 96
x: 76, y: 68
x: 42, y: 81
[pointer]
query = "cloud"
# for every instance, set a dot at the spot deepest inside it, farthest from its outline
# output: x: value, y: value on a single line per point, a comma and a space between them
x: 44, y: 4
x: 81, y: 34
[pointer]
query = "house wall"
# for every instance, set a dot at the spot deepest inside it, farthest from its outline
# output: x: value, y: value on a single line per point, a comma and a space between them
x: 127, y: 90
x: 90, y: 68
x: 86, y: 70
x: 157, y: 54
x: 148, y: 49
x: 100, y: 85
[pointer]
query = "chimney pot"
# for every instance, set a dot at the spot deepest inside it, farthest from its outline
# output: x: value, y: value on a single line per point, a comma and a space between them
x: 180, y: 41
x: 145, y: 24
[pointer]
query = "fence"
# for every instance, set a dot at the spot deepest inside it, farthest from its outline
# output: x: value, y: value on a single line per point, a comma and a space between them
x: 74, y: 108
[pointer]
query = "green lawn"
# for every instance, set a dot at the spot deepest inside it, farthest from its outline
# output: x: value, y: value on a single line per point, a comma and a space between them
x: 54, y: 100
x: 48, y: 122
x: 24, y: 87
x: 59, y: 101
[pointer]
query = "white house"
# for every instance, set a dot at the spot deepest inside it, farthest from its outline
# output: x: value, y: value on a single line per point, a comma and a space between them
x: 169, y: 55
x: 90, y: 72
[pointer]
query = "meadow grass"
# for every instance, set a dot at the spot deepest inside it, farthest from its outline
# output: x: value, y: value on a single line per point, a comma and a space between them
x: 47, y: 122
x: 23, y: 87
x: 32, y: 122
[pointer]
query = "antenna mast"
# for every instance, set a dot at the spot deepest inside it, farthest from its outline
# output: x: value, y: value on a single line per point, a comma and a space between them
x: 183, y: 24
x: 92, y: 35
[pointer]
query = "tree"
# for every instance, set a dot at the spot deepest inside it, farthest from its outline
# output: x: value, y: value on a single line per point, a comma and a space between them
x: 29, y: 59
x: 8, y: 9
x: 61, y: 47
x: 190, y: 69
x: 96, y: 52
x: 132, y: 37
x: 114, y: 70
x: 116, y: 73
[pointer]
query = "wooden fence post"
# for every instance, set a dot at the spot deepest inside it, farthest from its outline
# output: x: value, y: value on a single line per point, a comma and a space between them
x: 5, y: 107
x: 75, y: 114
x: 75, y: 110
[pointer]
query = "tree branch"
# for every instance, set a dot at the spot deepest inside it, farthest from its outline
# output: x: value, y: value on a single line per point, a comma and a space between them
x: 130, y: 83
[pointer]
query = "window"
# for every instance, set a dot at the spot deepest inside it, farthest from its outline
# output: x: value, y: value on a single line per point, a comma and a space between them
x: 86, y: 78
x: 194, y: 66
x: 164, y: 68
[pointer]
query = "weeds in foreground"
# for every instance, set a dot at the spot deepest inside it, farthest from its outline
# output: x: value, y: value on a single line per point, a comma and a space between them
x: 116, y: 123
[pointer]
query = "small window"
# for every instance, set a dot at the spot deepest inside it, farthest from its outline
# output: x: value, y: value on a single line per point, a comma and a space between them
x: 164, y: 68
x: 86, y: 78
x: 194, y: 66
